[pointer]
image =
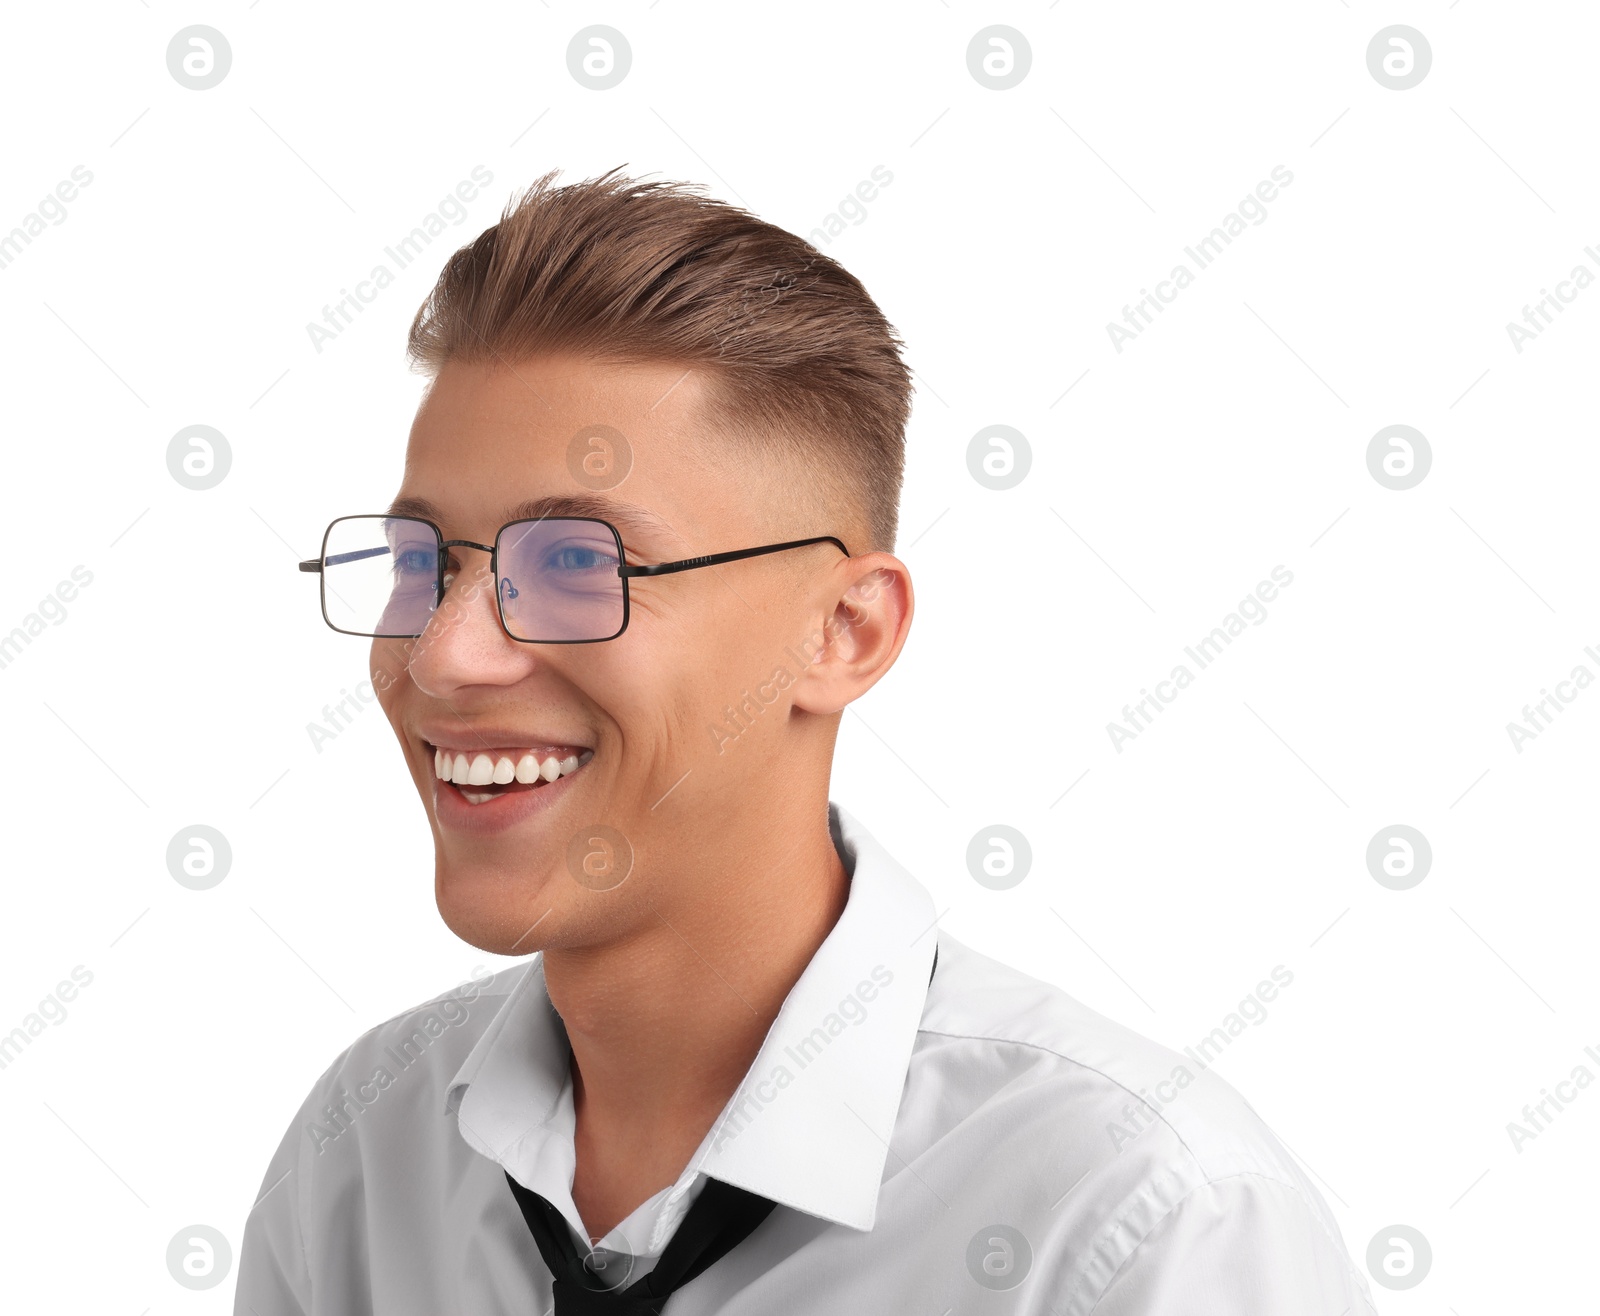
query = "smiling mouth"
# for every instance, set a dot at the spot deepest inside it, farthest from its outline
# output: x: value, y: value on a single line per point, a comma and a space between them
x: 487, y: 774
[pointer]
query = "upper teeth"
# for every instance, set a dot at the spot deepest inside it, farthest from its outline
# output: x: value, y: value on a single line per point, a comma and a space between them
x: 502, y: 766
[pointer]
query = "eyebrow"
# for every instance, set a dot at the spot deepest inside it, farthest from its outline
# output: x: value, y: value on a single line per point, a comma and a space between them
x: 626, y: 516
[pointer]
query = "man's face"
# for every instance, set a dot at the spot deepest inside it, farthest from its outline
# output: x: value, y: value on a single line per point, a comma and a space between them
x: 517, y: 864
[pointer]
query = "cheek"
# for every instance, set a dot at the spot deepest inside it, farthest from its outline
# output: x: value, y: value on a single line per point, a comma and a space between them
x: 736, y: 674
x: 386, y: 667
x: 650, y: 688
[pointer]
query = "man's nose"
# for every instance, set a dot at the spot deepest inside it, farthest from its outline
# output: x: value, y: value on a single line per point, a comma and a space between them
x: 464, y: 643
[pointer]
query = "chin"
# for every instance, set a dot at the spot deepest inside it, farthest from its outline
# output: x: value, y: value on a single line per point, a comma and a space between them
x: 498, y: 913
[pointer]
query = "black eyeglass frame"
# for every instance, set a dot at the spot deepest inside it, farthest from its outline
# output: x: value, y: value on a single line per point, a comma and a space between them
x: 624, y: 570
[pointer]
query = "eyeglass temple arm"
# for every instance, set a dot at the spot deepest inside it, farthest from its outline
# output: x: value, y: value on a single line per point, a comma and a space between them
x: 690, y: 563
x: 315, y: 563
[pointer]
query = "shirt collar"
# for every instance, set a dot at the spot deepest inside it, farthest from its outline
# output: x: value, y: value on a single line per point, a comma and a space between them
x: 809, y: 1126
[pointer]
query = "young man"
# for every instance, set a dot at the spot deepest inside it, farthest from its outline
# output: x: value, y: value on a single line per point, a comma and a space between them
x: 745, y: 1070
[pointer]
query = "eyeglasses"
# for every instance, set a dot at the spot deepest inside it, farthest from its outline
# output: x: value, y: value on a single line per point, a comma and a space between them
x: 558, y: 580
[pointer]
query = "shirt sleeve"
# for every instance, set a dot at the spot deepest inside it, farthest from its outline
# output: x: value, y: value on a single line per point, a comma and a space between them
x: 1247, y: 1245
x: 274, y: 1278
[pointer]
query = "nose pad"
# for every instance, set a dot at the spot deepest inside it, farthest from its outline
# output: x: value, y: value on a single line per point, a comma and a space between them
x: 508, y: 596
x: 450, y: 608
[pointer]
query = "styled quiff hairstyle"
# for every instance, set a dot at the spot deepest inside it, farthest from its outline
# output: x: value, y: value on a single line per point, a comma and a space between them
x: 798, y: 361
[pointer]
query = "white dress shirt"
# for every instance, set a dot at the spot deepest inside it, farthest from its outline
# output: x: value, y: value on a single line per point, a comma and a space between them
x: 976, y: 1144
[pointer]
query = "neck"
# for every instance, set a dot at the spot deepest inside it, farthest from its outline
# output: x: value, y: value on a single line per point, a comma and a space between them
x: 665, y: 1023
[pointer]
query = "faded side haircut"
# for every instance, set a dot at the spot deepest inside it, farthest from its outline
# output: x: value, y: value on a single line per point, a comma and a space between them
x: 798, y: 361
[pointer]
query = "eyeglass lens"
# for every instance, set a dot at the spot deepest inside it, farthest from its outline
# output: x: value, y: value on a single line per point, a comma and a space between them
x: 557, y: 578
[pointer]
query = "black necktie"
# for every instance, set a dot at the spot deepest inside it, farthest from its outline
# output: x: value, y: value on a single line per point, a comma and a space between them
x: 720, y: 1219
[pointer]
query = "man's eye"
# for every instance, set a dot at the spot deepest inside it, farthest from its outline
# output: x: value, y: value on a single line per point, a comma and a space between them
x: 578, y: 557
x: 416, y: 562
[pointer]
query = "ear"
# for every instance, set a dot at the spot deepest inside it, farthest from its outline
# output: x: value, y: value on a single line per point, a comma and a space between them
x: 858, y: 635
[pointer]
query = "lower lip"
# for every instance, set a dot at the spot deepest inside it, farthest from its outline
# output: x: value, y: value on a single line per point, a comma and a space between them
x: 501, y: 813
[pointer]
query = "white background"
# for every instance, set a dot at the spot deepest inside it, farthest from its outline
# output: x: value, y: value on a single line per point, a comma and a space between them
x: 1167, y: 480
